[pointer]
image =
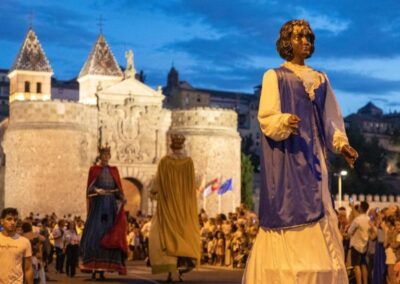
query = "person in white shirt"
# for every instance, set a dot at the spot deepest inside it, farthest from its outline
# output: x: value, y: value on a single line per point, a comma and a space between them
x: 15, y: 251
x: 72, y: 240
x: 58, y: 235
x: 359, y: 233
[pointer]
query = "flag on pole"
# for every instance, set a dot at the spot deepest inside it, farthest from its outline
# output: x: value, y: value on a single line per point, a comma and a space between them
x: 207, y: 191
x: 226, y: 186
x: 211, y: 187
x: 202, y: 184
x: 215, y: 184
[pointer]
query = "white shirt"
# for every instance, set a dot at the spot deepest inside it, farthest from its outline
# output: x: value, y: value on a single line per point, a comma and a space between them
x: 58, y: 235
x: 146, y: 229
x: 12, y: 252
x: 71, y: 238
x: 358, y: 232
x: 274, y: 123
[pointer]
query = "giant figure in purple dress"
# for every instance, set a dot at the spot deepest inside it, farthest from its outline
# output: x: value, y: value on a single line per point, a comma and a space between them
x: 299, y: 240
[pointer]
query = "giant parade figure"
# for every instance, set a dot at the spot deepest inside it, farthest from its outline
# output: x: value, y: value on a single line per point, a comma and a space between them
x: 299, y: 241
x: 174, y: 241
x: 104, y: 245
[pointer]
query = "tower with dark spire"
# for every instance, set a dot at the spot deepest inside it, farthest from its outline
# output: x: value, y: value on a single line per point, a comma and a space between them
x: 30, y: 75
x: 173, y: 78
x: 99, y: 71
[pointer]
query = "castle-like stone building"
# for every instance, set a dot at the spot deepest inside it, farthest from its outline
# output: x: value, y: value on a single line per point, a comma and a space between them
x: 48, y: 144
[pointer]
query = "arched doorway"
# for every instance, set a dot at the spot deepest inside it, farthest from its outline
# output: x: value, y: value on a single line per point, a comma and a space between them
x: 132, y: 190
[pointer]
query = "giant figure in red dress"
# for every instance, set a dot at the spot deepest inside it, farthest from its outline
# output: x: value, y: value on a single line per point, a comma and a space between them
x: 103, y: 245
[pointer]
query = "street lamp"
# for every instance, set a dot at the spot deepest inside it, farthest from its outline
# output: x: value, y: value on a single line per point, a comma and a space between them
x: 339, y: 175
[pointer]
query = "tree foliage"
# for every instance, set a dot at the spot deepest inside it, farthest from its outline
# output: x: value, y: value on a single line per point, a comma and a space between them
x: 248, y: 148
x: 369, y: 170
x: 247, y: 170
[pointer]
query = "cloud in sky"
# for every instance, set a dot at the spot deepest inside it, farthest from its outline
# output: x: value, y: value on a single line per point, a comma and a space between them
x: 220, y: 44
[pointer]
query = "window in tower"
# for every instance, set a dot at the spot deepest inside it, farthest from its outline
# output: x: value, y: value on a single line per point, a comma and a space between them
x: 38, y: 88
x: 27, y: 86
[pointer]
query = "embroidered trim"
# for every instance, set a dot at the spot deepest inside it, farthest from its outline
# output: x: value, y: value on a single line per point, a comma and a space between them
x: 310, y: 78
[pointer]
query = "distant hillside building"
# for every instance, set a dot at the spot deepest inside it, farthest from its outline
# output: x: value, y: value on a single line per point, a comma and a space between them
x: 373, y: 123
x: 182, y: 95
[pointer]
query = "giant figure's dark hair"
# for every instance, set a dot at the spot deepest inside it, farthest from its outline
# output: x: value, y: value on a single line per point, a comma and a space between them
x: 283, y: 43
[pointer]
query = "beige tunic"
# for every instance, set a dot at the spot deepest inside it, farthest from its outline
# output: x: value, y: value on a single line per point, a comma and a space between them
x: 175, y: 230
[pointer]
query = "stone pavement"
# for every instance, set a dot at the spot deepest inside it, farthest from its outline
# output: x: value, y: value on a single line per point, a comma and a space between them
x: 138, y: 273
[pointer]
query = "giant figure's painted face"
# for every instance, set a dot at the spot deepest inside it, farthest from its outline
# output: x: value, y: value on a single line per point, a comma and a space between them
x: 301, y: 41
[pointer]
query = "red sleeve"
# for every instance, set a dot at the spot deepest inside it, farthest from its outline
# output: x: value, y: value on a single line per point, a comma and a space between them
x: 94, y: 172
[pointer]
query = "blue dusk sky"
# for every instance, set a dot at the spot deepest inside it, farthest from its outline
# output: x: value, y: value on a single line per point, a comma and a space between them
x: 219, y: 44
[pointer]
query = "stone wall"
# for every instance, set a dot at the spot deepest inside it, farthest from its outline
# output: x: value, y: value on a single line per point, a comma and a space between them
x: 213, y: 143
x: 49, y: 147
x: 137, y: 136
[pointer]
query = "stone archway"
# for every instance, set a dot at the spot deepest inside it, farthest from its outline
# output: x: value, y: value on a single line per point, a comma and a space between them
x: 132, y: 190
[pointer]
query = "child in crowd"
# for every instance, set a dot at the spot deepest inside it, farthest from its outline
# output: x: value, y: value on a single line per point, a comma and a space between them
x: 220, y: 248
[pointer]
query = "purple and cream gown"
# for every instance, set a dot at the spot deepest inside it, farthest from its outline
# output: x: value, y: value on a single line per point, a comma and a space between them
x: 299, y: 240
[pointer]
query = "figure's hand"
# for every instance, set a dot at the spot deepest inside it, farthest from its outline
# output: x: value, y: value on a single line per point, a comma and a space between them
x: 293, y: 122
x: 349, y: 154
x: 100, y: 191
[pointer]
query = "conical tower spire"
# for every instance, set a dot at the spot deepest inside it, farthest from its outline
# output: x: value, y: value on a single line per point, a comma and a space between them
x: 100, y: 71
x: 30, y: 75
x: 31, y: 56
x: 101, y: 60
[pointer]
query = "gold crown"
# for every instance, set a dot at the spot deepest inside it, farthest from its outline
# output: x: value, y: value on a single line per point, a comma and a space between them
x: 177, y: 141
x: 105, y: 149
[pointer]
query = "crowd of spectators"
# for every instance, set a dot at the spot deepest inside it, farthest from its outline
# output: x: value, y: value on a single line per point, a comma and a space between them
x: 371, y: 240
x: 226, y: 240
x: 52, y: 239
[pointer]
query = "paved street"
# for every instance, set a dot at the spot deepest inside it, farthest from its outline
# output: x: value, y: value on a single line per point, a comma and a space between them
x: 138, y: 273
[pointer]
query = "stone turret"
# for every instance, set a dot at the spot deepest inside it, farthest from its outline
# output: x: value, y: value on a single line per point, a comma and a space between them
x: 213, y: 142
x: 30, y: 75
x: 100, y: 71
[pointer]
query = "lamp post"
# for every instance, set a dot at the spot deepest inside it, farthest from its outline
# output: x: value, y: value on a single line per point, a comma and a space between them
x: 339, y: 175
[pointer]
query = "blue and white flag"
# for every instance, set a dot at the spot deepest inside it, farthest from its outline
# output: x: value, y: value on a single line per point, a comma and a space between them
x: 226, y: 186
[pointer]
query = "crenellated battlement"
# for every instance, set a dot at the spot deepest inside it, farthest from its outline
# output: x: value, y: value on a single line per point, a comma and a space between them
x: 374, y: 201
x: 370, y: 198
x: 205, y: 118
x: 55, y: 112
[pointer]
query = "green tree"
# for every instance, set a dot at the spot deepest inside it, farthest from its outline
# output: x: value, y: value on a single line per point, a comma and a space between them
x: 247, y: 171
x: 248, y: 148
x: 369, y: 170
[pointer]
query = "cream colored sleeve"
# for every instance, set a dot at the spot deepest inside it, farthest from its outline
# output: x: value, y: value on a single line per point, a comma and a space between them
x: 273, y: 123
x: 334, y: 124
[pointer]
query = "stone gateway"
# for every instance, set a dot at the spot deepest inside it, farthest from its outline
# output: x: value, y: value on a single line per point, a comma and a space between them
x: 48, y: 145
